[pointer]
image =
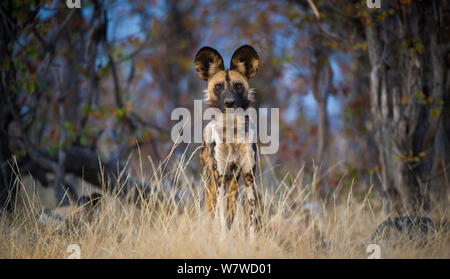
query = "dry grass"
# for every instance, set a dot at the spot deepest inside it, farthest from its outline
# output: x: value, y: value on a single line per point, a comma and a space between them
x: 179, y: 226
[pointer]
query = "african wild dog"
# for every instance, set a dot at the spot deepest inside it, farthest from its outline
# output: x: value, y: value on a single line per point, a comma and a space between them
x: 224, y: 162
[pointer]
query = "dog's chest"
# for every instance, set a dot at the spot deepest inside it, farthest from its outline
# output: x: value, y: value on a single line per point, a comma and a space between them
x: 229, y: 155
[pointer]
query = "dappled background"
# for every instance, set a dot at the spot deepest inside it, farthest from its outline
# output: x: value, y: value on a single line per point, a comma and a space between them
x: 363, y: 93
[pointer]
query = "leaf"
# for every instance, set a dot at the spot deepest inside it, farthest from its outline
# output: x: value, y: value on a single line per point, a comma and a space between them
x: 86, y: 109
x: 83, y: 138
x: 435, y: 112
x: 6, y: 63
x: 420, y: 48
x: 51, y: 150
x: 21, y: 153
x: 404, y: 100
x: 70, y: 128
x: 13, y: 88
x: 17, y: 64
x: 41, y: 84
x: 420, y: 96
x: 78, y: 68
x: 30, y: 86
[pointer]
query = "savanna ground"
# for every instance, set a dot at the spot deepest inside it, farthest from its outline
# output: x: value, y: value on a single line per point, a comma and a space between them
x: 174, y: 223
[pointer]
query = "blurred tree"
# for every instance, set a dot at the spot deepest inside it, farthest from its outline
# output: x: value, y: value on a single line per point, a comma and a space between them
x: 8, y: 35
x: 407, y: 46
x: 409, y: 55
x: 46, y: 60
x: 321, y: 46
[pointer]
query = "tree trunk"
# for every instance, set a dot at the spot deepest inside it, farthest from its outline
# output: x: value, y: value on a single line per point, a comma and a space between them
x: 323, y: 132
x: 321, y: 79
x: 6, y: 180
x: 7, y: 33
x: 408, y: 56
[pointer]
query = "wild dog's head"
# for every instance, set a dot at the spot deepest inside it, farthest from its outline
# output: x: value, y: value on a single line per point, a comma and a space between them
x: 228, y: 88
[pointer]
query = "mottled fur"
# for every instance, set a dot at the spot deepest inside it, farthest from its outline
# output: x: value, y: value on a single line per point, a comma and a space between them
x: 224, y: 162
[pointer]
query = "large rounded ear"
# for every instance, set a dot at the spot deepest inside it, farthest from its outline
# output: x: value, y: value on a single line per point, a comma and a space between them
x: 245, y: 60
x: 208, y: 62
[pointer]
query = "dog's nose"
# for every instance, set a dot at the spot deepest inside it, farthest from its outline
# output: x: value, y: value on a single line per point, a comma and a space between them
x: 229, y: 103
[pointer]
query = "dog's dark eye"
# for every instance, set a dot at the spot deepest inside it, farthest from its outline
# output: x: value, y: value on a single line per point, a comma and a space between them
x: 218, y: 86
x: 238, y: 86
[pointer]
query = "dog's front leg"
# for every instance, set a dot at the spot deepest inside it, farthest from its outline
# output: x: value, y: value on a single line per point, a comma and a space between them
x: 232, y: 195
x: 221, y: 202
x: 248, y: 166
x: 250, y: 197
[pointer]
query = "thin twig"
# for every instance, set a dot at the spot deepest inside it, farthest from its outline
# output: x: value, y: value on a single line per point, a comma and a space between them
x: 323, y: 29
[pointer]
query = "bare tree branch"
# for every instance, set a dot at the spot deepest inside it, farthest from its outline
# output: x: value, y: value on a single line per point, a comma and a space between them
x: 323, y: 29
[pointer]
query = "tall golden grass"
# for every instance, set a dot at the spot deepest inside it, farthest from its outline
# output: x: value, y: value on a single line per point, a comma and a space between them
x: 173, y: 222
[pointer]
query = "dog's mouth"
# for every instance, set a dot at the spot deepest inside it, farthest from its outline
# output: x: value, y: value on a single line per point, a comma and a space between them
x: 233, y: 105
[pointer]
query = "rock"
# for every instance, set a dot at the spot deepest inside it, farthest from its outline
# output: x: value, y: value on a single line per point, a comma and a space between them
x: 409, y: 226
